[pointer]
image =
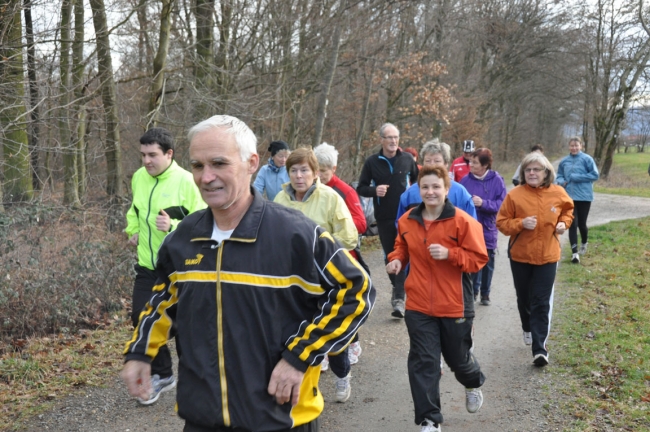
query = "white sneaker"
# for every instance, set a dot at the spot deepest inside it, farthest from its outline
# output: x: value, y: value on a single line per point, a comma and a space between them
x: 354, y: 351
x: 583, y: 249
x: 158, y: 385
x: 325, y: 364
x: 473, y: 399
x: 528, y: 338
x: 429, y: 426
x: 398, y: 309
x: 343, y: 388
x: 575, y: 258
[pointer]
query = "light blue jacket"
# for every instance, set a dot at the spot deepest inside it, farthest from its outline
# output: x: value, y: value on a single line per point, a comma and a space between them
x: 458, y: 196
x: 577, y: 174
x: 270, y: 180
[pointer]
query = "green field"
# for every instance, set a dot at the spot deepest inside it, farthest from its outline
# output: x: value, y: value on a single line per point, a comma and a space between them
x: 628, y: 176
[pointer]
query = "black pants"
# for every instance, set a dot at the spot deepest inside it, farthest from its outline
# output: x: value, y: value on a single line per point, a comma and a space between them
x: 387, y: 235
x: 340, y: 364
x: 145, y: 279
x: 313, y: 426
x: 430, y: 337
x: 534, y: 286
x: 580, y: 214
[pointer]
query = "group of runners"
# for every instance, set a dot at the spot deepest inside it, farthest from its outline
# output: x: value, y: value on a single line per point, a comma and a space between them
x: 287, y: 286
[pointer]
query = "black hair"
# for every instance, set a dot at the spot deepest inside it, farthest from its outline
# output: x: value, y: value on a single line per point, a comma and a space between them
x: 160, y: 136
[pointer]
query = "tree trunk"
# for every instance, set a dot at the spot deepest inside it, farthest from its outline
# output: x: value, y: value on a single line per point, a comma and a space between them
x: 364, y: 118
x: 203, y: 69
x: 326, y: 84
x: 159, y: 62
x: 79, y: 105
x: 34, y: 112
x: 17, y: 173
x: 70, y: 179
x: 107, y: 82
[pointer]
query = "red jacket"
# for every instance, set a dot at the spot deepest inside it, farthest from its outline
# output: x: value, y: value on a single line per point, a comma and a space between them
x: 440, y: 288
x: 351, y: 199
x: 459, y: 168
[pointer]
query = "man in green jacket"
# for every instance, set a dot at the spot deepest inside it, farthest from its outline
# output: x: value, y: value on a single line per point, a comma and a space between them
x: 163, y: 194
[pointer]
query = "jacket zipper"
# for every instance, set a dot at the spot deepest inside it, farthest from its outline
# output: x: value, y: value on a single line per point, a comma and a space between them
x: 220, y: 351
x: 151, y: 253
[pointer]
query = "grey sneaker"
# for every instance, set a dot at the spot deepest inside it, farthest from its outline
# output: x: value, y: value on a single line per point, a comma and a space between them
x: 398, y: 309
x: 158, y: 385
x: 528, y: 338
x: 540, y: 360
x: 429, y: 426
x: 354, y: 351
x: 485, y: 300
x: 343, y: 388
x: 473, y: 399
x: 583, y: 249
x: 325, y: 364
x: 575, y: 258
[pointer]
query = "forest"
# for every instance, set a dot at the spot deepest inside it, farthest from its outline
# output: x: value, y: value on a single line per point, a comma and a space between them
x: 80, y: 81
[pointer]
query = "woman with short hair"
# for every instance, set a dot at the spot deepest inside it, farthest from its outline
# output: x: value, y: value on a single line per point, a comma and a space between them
x: 534, y: 215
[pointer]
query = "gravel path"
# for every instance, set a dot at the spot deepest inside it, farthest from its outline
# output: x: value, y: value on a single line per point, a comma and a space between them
x: 381, y: 400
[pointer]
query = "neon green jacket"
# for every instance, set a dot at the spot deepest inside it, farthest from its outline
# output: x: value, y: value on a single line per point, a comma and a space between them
x: 173, y: 191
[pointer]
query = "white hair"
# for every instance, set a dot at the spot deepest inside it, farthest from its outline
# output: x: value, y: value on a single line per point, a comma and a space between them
x: 383, y: 128
x: 245, y: 139
x: 327, y: 155
x: 434, y: 147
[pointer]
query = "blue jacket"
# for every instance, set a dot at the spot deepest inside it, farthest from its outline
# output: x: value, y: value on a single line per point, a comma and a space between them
x: 457, y: 195
x: 492, y: 190
x: 270, y: 179
x: 577, y: 175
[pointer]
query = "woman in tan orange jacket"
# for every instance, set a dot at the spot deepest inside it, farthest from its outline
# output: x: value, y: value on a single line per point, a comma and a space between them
x: 443, y: 244
x: 534, y: 215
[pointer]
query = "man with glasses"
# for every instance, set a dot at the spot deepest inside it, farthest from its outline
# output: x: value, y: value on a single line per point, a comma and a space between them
x: 384, y: 177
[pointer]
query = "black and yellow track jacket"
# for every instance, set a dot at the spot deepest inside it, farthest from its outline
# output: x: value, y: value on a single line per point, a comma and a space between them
x: 280, y: 287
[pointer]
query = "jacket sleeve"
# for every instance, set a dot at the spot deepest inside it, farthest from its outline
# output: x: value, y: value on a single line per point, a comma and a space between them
x: 354, y: 206
x: 413, y: 178
x: 467, y: 204
x: 260, y: 181
x: 559, y: 176
x: 590, y: 174
x: 403, y: 205
x: 191, y: 200
x: 344, y: 229
x: 365, y: 180
x: 471, y: 253
x: 400, y: 250
x: 155, y: 323
x: 493, y: 204
x: 507, y: 222
x: 346, y: 305
x: 566, y: 212
x: 132, y: 223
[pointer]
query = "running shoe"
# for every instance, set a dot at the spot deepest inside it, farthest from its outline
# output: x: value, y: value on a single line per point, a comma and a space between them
x: 325, y: 364
x: 354, y: 351
x: 429, y: 426
x: 583, y: 249
x: 528, y: 338
x: 398, y: 309
x: 158, y: 385
x: 540, y: 360
x: 343, y: 388
x: 473, y: 399
x: 575, y: 258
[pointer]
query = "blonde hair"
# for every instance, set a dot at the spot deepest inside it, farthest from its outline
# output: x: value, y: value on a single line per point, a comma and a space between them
x: 540, y: 159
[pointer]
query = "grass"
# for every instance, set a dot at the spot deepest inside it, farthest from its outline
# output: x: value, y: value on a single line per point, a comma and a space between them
x: 628, y: 176
x: 42, y: 371
x: 601, y: 336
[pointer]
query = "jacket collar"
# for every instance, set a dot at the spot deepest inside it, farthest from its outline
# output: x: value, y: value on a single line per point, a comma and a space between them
x: 448, y: 211
x: 170, y: 169
x: 246, y: 231
x: 289, y: 190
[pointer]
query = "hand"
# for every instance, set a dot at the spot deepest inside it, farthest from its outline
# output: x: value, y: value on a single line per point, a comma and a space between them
x: 530, y: 222
x: 382, y: 190
x: 477, y: 200
x: 285, y: 383
x: 560, y: 228
x: 438, y: 252
x: 137, y: 377
x: 394, y: 267
x: 133, y: 241
x: 163, y: 221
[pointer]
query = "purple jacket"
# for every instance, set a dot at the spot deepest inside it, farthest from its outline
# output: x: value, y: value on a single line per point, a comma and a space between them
x: 492, y: 190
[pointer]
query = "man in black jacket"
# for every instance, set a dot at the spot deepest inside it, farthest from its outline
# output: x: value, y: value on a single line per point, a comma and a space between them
x: 384, y: 177
x: 262, y: 295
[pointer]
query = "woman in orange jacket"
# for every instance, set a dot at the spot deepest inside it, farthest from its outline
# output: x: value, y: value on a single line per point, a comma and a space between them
x: 534, y: 215
x: 443, y: 245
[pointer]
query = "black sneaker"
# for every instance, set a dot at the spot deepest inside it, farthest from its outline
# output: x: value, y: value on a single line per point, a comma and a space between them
x: 575, y: 258
x: 398, y: 309
x: 540, y: 360
x: 485, y: 300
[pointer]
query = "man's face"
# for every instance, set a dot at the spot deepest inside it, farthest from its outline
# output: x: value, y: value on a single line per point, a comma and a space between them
x: 390, y: 140
x: 220, y: 174
x: 154, y: 160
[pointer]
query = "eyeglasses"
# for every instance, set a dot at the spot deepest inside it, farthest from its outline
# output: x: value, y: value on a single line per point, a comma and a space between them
x: 391, y: 137
x: 535, y: 170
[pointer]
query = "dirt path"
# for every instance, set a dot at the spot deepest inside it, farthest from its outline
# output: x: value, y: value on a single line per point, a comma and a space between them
x: 381, y: 399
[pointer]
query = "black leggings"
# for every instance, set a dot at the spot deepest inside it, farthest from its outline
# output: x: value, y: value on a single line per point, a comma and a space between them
x: 580, y: 214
